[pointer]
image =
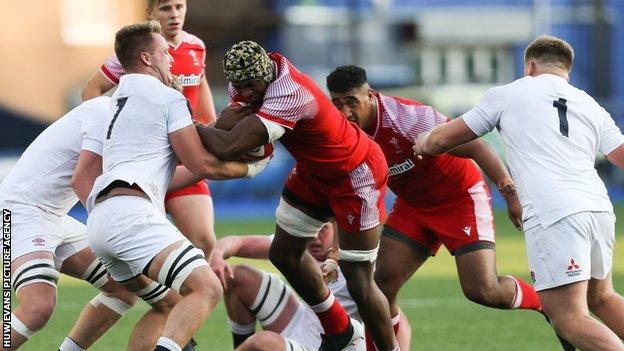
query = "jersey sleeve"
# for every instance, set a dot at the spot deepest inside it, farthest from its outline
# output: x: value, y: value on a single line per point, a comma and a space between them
x: 93, y: 127
x: 179, y: 113
x: 484, y: 117
x: 288, y: 104
x: 112, y: 69
x: 610, y: 135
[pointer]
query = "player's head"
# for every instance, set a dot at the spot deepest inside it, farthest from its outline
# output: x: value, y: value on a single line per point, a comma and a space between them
x: 249, y: 69
x: 323, y: 241
x: 351, y: 94
x: 169, y: 13
x: 141, y: 48
x: 548, y: 53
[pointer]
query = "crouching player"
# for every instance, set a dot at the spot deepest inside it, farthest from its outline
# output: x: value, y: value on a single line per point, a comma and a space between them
x: 252, y: 294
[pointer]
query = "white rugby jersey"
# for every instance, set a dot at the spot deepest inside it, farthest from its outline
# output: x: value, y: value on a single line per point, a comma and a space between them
x: 42, y: 175
x: 143, y: 111
x: 552, y: 132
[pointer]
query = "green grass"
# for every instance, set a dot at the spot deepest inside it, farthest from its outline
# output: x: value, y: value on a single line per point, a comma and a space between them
x: 441, y: 318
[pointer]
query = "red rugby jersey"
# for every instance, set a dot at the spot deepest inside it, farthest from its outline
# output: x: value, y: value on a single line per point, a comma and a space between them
x: 322, y: 141
x: 188, y: 65
x: 431, y: 181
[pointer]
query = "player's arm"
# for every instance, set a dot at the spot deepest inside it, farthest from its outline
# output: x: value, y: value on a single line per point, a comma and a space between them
x: 188, y: 148
x: 96, y: 86
x: 443, y: 138
x: 245, y: 136
x: 496, y: 171
x: 617, y: 156
x: 205, y: 103
x: 251, y: 246
x: 182, y: 178
x: 88, y: 168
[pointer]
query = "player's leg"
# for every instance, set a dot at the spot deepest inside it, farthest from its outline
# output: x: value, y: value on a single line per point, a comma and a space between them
x: 193, y: 213
x: 34, y: 280
x: 404, y: 246
x: 301, y: 213
x: 607, y: 304
x: 562, y: 262
x: 358, y: 203
x: 76, y: 259
x: 104, y: 310
x: 270, y: 341
x: 476, y: 267
x: 182, y: 267
x: 603, y: 301
x: 566, y: 306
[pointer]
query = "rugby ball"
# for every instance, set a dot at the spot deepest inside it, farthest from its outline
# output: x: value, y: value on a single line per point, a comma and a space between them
x: 259, y: 153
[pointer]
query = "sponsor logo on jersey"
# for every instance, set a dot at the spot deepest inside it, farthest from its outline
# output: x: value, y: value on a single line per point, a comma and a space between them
x: 402, y: 167
x: 38, y: 241
x: 189, y: 81
x: 574, y: 269
x: 533, y: 277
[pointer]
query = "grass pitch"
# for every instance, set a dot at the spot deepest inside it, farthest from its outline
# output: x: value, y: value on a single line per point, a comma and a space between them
x: 441, y: 318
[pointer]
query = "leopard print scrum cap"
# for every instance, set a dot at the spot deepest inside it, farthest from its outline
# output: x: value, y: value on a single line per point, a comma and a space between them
x: 247, y: 60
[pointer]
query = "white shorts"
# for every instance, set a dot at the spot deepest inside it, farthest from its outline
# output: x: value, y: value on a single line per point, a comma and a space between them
x: 576, y: 248
x: 126, y: 232
x: 303, y: 331
x: 34, y: 230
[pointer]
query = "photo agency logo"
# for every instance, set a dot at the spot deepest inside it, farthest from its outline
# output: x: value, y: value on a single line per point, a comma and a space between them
x: 6, y: 278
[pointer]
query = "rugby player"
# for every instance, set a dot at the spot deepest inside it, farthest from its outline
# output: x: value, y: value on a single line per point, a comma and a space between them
x: 252, y: 294
x: 147, y: 129
x: 189, y: 54
x: 552, y: 131
x: 339, y: 174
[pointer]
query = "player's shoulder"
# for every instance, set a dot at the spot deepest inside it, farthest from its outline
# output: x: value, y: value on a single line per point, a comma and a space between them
x: 192, y: 39
x: 289, y: 80
x: 398, y: 108
x: 96, y: 108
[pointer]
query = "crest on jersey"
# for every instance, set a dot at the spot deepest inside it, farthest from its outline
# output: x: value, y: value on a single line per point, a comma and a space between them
x: 193, y: 54
x: 395, y: 142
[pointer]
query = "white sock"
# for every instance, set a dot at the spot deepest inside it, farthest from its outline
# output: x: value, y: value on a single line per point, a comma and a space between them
x: 325, y: 305
x: 168, y: 344
x: 70, y: 345
x: 241, y: 329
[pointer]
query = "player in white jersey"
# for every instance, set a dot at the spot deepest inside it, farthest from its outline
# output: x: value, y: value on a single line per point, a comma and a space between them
x: 253, y: 294
x: 45, y: 240
x: 148, y: 127
x: 552, y: 132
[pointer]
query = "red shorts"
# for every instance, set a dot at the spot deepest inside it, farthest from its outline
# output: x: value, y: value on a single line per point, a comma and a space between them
x: 355, y: 200
x: 199, y: 188
x: 463, y: 225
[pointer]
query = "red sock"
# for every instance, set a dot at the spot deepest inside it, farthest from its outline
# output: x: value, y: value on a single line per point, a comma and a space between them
x: 526, y: 298
x: 332, y: 315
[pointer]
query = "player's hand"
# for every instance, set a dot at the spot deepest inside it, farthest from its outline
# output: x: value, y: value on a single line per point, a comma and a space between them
x: 419, y: 145
x: 221, y: 268
x: 514, y: 210
x: 255, y: 168
x: 329, y: 268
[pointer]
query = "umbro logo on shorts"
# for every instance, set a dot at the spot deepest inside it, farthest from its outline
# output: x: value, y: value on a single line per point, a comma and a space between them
x: 350, y: 218
x: 467, y: 230
x: 574, y: 269
x: 38, y: 242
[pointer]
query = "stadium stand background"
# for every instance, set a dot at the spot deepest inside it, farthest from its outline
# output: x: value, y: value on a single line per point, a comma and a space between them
x: 443, y: 52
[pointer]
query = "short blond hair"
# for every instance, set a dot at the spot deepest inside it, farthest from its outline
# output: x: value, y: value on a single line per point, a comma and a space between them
x: 547, y: 49
x: 133, y: 39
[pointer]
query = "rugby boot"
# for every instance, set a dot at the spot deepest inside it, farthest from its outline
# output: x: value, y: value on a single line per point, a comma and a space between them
x: 352, y: 336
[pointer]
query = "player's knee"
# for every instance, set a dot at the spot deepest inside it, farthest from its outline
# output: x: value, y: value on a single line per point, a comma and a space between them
x: 360, y: 289
x: 208, y: 285
x: 261, y: 341
x: 387, y: 284
x: 37, y: 311
x: 281, y: 259
x: 596, y: 300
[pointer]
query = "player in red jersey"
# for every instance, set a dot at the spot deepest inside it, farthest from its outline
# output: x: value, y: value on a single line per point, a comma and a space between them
x: 441, y: 200
x: 188, y: 52
x: 340, y: 173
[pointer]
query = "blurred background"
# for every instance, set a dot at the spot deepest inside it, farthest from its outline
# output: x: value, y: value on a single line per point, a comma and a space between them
x: 442, y: 52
